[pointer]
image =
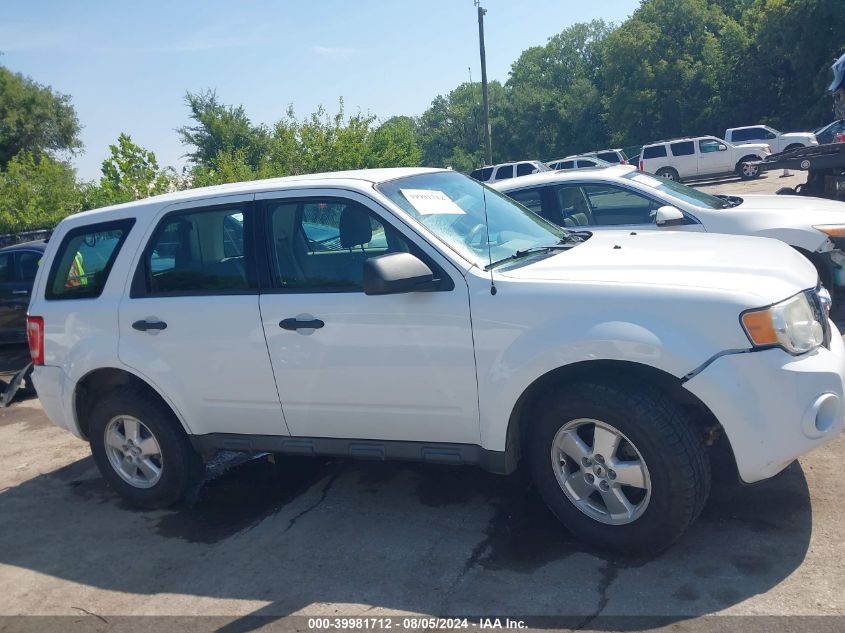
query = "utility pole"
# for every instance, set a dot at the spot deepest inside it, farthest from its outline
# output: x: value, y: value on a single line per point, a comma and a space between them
x: 488, y: 160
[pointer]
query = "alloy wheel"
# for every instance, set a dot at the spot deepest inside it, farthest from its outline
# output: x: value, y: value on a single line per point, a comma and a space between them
x: 133, y: 451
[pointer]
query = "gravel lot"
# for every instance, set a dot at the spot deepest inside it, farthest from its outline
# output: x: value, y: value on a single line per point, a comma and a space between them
x: 336, y: 537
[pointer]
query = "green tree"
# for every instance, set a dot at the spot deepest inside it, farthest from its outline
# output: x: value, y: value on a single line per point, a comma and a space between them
x: 666, y: 69
x: 36, y: 193
x: 130, y: 173
x: 34, y: 119
x: 554, y: 96
x: 394, y: 144
x: 219, y: 130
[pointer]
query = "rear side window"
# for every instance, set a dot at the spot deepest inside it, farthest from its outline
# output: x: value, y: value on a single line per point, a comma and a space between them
x: 529, y: 198
x: 482, y: 174
x: 523, y: 169
x: 27, y: 265
x: 197, y: 253
x: 504, y: 172
x: 84, y: 260
x: 685, y: 148
x: 655, y: 151
x: 610, y: 157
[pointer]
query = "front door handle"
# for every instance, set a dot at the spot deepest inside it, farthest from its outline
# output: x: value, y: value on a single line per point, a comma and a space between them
x: 296, y: 324
x: 143, y: 326
x: 20, y: 292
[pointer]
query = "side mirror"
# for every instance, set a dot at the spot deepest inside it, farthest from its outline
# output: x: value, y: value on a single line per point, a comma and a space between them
x: 397, y: 273
x: 669, y: 216
x: 723, y: 148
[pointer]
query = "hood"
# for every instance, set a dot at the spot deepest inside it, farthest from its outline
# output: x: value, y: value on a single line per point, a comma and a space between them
x: 799, y: 136
x: 803, y: 211
x: 764, y: 270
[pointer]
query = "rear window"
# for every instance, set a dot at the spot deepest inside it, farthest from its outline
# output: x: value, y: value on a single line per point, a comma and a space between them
x: 685, y: 148
x: 84, y: 260
x: 655, y: 151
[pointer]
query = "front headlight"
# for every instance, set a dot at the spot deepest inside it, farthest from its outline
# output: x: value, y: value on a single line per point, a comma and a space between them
x: 831, y: 230
x: 792, y: 324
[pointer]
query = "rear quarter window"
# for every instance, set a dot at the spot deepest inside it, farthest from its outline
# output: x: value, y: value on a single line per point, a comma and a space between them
x: 655, y: 151
x: 84, y: 260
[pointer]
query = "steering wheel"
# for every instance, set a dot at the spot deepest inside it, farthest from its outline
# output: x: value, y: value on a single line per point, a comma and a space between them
x: 474, y: 232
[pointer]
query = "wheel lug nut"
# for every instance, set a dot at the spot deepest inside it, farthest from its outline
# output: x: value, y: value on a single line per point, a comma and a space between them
x: 599, y: 459
x: 604, y: 485
x: 611, y: 474
x: 590, y: 479
x: 586, y: 461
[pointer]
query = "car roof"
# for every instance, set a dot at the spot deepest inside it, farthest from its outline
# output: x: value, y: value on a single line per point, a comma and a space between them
x: 684, y: 138
x: 549, y: 177
x: 358, y: 178
x: 36, y: 245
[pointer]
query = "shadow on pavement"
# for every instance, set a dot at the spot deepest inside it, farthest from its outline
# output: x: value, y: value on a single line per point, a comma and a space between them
x: 415, y: 538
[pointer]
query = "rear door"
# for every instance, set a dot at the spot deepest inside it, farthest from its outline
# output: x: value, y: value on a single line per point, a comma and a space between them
x: 684, y: 158
x: 191, y: 324
x: 349, y: 365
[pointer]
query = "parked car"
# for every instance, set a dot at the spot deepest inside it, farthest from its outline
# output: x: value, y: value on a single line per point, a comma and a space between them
x: 832, y: 132
x: 577, y: 162
x: 613, y: 156
x: 18, y: 265
x: 507, y: 170
x: 622, y: 197
x: 777, y: 141
x: 615, y: 364
x: 701, y: 157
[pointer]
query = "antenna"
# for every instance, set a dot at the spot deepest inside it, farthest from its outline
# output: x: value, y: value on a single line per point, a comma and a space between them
x: 493, y: 290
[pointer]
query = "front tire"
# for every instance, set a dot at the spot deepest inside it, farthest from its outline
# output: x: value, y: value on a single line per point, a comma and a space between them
x: 620, y: 464
x: 746, y: 171
x: 142, y: 451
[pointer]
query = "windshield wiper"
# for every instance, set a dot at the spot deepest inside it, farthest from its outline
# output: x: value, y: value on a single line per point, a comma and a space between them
x: 563, y: 245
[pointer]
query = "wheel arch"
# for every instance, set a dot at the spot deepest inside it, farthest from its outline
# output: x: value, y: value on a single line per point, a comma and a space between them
x: 747, y: 157
x: 97, y: 383
x: 519, y: 422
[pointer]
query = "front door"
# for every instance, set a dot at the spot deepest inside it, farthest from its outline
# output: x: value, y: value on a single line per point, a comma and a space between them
x: 713, y: 157
x: 191, y: 324
x: 349, y: 365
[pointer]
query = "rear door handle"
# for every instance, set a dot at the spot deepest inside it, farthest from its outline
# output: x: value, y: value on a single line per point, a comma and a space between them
x: 296, y: 324
x: 143, y: 326
x: 20, y: 292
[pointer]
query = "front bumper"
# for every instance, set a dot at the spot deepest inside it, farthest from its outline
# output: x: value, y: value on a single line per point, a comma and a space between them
x: 775, y: 407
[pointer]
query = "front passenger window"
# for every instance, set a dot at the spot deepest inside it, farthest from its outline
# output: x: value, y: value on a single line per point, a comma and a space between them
x: 612, y: 205
x: 321, y: 244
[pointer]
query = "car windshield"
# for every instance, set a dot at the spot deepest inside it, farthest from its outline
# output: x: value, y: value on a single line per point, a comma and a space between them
x: 679, y: 191
x: 452, y: 207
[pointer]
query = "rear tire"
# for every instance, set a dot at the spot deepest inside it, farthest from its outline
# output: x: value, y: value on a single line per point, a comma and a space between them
x: 669, y: 174
x: 142, y: 450
x: 659, y: 465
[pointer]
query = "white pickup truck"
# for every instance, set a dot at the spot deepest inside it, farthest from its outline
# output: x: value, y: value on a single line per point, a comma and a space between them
x: 778, y: 141
x: 417, y: 314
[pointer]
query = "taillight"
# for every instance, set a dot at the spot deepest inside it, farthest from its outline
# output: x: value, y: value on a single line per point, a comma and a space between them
x: 641, y: 164
x: 35, y: 337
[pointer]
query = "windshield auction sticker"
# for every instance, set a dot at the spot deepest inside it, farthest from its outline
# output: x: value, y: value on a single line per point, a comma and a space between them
x: 431, y: 202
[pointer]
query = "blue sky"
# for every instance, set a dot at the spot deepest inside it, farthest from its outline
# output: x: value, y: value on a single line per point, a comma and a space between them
x: 127, y: 65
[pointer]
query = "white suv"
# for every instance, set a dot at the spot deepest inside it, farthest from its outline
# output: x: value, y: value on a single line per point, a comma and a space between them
x: 778, y: 141
x: 701, y: 157
x: 416, y: 314
x: 505, y: 171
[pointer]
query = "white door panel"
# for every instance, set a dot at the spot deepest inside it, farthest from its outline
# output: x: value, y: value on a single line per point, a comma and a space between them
x: 394, y: 367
